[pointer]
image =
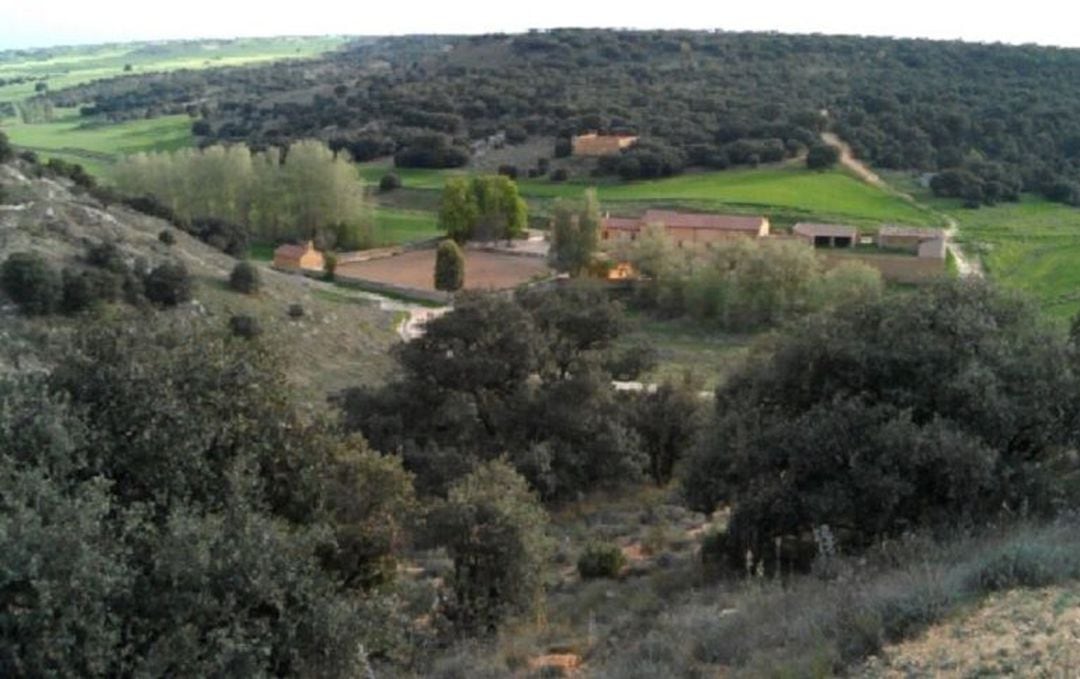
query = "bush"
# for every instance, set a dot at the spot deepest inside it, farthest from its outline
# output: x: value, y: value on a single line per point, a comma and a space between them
x: 510, y: 171
x: 168, y: 284
x: 601, y: 560
x: 247, y: 327
x: 389, y: 182
x: 6, y: 151
x: 107, y: 255
x: 822, y: 156
x: 329, y: 265
x: 245, y: 278
x: 449, y: 267
x: 31, y: 282
x: 560, y: 175
x: 296, y: 311
x: 167, y: 237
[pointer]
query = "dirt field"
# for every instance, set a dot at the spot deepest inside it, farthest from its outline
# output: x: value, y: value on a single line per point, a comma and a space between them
x: 416, y: 270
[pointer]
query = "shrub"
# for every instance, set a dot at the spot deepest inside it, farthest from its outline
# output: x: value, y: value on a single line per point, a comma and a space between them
x: 510, y: 171
x: 6, y: 151
x: 560, y: 175
x: 31, y: 282
x: 245, y: 278
x: 296, y: 311
x: 494, y: 529
x: 107, y: 256
x: 822, y: 156
x: 390, y: 181
x: 247, y: 327
x: 449, y: 267
x: 329, y: 265
x: 601, y: 560
x: 168, y: 284
x: 167, y: 237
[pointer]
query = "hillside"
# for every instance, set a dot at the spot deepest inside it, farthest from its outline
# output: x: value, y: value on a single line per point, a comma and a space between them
x: 341, y: 339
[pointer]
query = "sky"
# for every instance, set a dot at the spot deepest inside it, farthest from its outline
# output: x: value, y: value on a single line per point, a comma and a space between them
x: 64, y: 22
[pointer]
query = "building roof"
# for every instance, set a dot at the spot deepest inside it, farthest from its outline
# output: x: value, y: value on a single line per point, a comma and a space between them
x: 825, y: 230
x: 622, y: 223
x: 922, y: 233
x: 690, y: 220
x: 292, y: 250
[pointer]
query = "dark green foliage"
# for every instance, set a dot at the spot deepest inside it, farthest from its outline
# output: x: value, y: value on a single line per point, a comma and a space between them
x: 560, y: 175
x: 296, y: 311
x: 329, y: 265
x: 389, y: 182
x: 245, y: 278
x: 667, y: 420
x: 525, y: 378
x: 495, y: 531
x: 7, y: 153
x: 198, y: 547
x: 88, y: 289
x: 822, y: 156
x: 575, y: 235
x: 168, y: 284
x: 601, y: 560
x: 938, y: 408
x: 167, y: 237
x: 230, y: 238
x: 244, y: 326
x: 31, y: 282
x: 73, y: 171
x: 431, y: 150
x: 449, y: 267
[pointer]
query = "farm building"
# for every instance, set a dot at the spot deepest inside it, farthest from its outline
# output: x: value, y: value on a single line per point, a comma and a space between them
x: 593, y: 144
x: 827, y: 235
x: 686, y: 228
x: 917, y: 240
x: 298, y: 257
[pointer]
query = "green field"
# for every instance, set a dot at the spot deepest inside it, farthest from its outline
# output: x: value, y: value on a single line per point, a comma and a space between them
x: 68, y: 66
x: 789, y: 193
x: 394, y: 226
x: 1033, y: 245
x: 97, y: 145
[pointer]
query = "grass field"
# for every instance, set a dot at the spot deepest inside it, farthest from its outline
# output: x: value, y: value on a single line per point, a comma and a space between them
x: 788, y: 193
x: 684, y: 347
x: 394, y: 226
x: 68, y: 66
x: 1033, y: 245
x: 97, y: 146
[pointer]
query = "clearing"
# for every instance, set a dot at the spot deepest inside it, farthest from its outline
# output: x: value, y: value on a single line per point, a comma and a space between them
x: 62, y: 67
x: 416, y: 270
x: 94, y: 145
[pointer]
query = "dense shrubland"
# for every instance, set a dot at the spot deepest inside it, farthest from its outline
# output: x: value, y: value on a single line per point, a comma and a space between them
x: 950, y: 407
x: 706, y: 99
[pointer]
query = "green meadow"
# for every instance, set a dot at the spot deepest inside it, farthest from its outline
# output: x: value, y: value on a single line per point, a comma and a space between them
x: 69, y: 66
x: 789, y: 193
x: 1033, y: 246
x: 395, y: 226
x: 97, y: 145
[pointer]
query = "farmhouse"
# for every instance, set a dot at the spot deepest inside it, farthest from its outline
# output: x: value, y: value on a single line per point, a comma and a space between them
x: 917, y: 240
x: 827, y: 235
x: 685, y: 228
x: 593, y: 144
x: 298, y: 257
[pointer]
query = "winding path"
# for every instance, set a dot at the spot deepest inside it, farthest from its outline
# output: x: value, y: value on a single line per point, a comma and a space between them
x: 965, y: 266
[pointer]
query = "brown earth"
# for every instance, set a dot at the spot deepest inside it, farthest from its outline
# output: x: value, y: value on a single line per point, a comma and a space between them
x: 416, y: 269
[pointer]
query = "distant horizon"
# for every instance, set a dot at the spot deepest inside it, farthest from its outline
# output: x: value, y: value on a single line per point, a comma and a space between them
x: 357, y: 36
x: 71, y: 23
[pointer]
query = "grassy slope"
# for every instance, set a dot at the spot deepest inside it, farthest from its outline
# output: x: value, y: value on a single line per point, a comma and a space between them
x: 788, y: 192
x: 75, y: 66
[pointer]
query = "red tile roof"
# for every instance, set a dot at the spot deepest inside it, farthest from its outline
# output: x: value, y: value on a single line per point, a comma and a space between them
x: 689, y: 220
x: 290, y: 250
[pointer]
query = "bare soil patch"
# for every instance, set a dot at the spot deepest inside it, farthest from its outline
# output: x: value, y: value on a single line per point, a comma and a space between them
x: 416, y: 269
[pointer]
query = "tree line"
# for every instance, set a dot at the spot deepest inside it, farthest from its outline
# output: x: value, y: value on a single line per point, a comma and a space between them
x: 305, y: 191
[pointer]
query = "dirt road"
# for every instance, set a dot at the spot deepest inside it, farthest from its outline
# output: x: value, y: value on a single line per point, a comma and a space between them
x: 965, y: 266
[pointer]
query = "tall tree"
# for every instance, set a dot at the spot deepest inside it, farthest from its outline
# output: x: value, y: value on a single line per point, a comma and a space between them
x: 575, y: 234
x: 449, y: 267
